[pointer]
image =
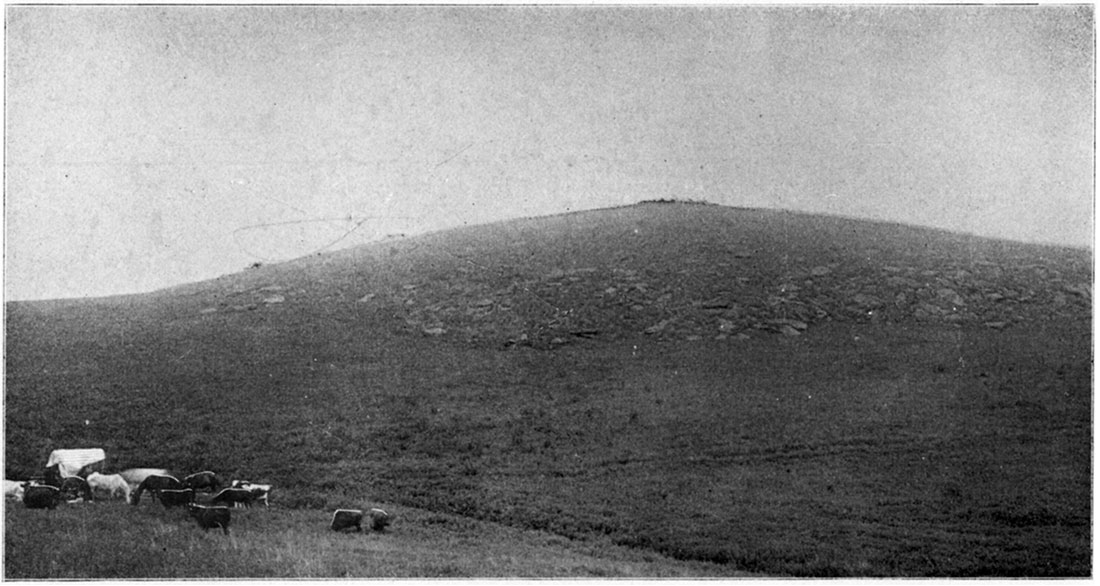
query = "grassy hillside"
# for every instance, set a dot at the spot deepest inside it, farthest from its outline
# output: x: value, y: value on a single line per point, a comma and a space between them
x: 770, y: 391
x: 108, y: 540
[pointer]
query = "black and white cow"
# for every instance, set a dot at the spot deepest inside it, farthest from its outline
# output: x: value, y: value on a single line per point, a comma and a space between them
x: 231, y: 496
x: 261, y: 491
x: 379, y: 519
x: 75, y: 487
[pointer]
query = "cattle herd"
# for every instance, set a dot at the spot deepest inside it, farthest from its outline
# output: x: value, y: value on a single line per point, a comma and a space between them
x: 131, y: 484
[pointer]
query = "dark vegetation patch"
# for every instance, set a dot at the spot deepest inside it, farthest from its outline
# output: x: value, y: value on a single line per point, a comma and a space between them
x: 779, y: 393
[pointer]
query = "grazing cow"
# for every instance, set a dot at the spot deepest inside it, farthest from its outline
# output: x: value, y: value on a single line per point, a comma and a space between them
x: 75, y: 487
x: 155, y: 483
x: 346, y: 519
x: 234, y: 495
x: 77, y: 462
x: 379, y: 519
x: 201, y: 480
x: 41, y: 496
x: 260, y: 490
x: 13, y: 489
x: 135, y: 476
x: 176, y: 498
x: 112, y: 484
x: 210, y: 517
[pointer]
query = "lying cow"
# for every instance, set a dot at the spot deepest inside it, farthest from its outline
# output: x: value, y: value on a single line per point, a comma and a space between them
x: 112, y: 484
x: 176, y: 497
x: 41, y: 496
x: 203, y: 480
x: 155, y: 483
x: 379, y: 519
x: 346, y: 519
x: 261, y: 491
x: 210, y: 517
x: 75, y: 488
x: 231, y: 496
x: 13, y: 489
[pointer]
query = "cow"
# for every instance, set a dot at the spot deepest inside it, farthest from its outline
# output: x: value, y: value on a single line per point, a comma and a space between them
x: 176, y: 498
x: 260, y: 490
x: 155, y: 483
x: 112, y: 484
x: 41, y: 496
x: 13, y: 489
x: 201, y: 480
x: 209, y: 517
x: 52, y: 476
x: 135, y: 476
x: 75, y: 487
x: 77, y: 462
x: 346, y: 519
x: 234, y: 495
x: 379, y: 519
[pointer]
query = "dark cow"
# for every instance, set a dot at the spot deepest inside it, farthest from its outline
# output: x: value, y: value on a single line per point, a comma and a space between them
x: 210, y: 517
x: 75, y: 487
x: 379, y: 519
x: 346, y: 519
x: 230, y: 496
x: 155, y: 483
x: 176, y: 497
x: 203, y: 480
x: 41, y: 496
x: 52, y: 476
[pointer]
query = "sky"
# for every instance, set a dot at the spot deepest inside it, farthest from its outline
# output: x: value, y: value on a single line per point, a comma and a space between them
x: 148, y: 146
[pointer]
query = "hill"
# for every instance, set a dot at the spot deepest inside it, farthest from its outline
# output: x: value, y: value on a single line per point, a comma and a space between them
x: 776, y: 392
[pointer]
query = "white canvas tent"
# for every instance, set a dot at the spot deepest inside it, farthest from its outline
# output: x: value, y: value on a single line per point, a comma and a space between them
x: 71, y: 462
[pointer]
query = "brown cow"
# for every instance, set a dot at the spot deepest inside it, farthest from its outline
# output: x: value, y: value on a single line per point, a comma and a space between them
x: 209, y: 517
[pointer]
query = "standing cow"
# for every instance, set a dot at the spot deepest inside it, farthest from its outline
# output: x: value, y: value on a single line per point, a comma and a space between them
x: 176, y: 498
x: 210, y: 517
x: 135, y: 476
x: 231, y: 496
x: 112, y: 484
x: 203, y: 480
x: 155, y: 483
x: 261, y: 491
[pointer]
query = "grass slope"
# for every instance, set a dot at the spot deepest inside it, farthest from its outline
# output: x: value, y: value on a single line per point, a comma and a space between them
x: 109, y: 540
x: 774, y: 392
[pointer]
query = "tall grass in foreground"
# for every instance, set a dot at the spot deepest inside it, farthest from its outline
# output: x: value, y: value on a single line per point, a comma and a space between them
x: 111, y: 540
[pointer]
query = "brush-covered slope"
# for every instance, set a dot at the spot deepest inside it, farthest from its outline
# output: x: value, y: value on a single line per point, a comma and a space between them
x: 780, y: 392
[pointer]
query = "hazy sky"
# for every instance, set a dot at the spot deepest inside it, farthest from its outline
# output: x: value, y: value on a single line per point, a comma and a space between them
x: 149, y: 146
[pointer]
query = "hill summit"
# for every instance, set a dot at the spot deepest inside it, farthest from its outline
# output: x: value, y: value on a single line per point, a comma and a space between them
x: 667, y: 270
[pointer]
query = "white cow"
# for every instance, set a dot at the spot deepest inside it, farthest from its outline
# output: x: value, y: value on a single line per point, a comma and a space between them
x: 135, y: 476
x: 13, y: 489
x: 71, y: 462
x: 112, y: 484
